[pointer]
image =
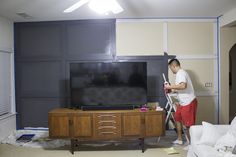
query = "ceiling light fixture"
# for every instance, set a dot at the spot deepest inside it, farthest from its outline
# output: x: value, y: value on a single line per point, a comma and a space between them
x: 99, y: 6
x: 105, y: 6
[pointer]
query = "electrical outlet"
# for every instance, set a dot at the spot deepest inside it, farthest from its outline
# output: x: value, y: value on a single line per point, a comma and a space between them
x: 208, y: 84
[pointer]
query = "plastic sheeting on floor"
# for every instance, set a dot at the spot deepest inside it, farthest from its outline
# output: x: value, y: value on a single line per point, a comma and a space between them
x: 40, y: 140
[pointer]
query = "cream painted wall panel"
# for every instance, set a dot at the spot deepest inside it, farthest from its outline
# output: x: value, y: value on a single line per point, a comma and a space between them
x: 6, y: 35
x: 206, y: 110
x: 139, y: 38
x: 190, y: 38
x: 200, y: 71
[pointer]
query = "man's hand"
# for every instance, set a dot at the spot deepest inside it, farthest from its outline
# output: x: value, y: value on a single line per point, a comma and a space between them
x: 167, y: 86
x: 177, y: 104
x: 174, y: 90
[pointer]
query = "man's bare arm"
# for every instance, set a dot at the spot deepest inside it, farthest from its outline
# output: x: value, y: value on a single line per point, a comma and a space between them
x: 180, y: 86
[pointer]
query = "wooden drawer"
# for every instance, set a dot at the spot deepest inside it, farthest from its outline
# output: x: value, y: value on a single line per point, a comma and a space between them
x: 106, y: 116
x: 107, y: 126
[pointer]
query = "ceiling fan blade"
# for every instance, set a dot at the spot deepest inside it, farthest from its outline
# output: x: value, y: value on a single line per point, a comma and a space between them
x: 76, y: 6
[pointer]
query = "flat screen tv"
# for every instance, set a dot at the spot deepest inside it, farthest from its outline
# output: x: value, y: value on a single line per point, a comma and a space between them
x: 110, y: 85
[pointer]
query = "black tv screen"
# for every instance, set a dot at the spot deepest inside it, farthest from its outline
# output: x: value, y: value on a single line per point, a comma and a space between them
x: 108, y: 84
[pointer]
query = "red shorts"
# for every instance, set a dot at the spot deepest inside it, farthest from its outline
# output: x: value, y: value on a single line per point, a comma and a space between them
x: 187, y: 114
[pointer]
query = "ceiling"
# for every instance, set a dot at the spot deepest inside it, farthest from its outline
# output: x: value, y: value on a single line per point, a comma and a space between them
x: 52, y: 10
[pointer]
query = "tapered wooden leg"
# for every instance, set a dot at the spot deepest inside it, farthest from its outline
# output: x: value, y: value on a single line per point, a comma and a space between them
x: 142, y: 144
x: 72, y: 145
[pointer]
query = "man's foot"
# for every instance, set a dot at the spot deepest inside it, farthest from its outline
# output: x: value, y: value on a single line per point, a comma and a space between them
x: 186, y: 147
x: 180, y: 142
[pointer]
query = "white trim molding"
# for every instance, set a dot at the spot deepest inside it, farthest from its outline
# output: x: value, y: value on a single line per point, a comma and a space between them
x: 12, y: 95
x: 196, y: 57
x: 165, y: 37
x: 4, y: 51
x: 200, y: 94
x: 216, y: 72
x: 168, y: 20
x: 150, y: 54
x: 7, y: 115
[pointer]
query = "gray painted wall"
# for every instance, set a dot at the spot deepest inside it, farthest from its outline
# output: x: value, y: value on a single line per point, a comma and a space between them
x: 43, y: 52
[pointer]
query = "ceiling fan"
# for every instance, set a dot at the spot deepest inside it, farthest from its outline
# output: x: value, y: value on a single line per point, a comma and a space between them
x: 99, y: 6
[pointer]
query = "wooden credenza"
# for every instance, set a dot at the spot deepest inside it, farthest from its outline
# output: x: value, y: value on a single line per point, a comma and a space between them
x: 105, y: 125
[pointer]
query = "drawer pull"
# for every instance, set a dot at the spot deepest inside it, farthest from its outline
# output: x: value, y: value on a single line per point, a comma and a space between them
x: 70, y: 122
x: 105, y: 127
x: 107, y: 121
x: 106, y: 115
x: 108, y: 132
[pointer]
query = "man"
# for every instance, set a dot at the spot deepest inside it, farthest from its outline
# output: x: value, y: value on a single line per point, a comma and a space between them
x: 187, y: 103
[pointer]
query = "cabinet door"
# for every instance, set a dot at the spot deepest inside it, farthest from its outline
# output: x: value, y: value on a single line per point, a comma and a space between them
x: 82, y: 125
x: 154, y: 124
x: 59, y: 126
x: 132, y: 124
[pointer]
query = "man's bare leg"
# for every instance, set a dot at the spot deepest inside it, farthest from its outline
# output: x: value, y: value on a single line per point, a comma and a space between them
x: 179, y: 131
x: 188, y: 135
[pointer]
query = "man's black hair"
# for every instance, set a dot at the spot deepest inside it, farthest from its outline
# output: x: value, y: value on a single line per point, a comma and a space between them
x: 174, y: 61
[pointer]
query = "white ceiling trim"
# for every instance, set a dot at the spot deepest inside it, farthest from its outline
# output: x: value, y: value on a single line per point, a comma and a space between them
x: 196, y: 57
x: 166, y: 20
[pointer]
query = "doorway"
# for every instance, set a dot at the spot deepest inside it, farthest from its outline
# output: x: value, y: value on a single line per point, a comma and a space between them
x: 232, y: 82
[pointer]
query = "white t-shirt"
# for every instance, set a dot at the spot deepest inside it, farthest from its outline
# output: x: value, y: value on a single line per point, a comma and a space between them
x: 187, y: 95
